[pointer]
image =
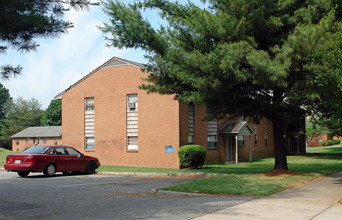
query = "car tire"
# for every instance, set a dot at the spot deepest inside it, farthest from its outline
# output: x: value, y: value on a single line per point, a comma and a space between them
x: 23, y: 173
x: 50, y: 170
x: 91, y: 167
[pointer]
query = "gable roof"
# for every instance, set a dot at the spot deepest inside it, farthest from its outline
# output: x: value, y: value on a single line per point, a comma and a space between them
x: 47, y: 131
x: 114, y: 61
x: 237, y: 128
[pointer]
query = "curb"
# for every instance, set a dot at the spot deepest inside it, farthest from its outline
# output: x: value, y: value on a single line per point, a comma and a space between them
x: 194, y: 174
x: 155, y: 191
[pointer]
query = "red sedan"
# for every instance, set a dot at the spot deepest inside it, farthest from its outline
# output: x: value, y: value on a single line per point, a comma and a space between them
x: 49, y: 160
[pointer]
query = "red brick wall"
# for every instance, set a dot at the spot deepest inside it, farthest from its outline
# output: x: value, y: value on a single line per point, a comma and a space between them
x: 217, y: 155
x: 20, y: 144
x: 158, y: 119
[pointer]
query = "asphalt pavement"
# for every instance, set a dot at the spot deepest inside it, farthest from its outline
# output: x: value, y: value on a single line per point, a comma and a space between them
x: 316, y: 200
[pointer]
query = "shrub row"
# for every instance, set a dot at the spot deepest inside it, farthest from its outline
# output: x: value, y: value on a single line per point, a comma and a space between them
x: 331, y: 142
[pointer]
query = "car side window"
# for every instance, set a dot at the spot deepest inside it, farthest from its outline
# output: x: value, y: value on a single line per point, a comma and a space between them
x: 59, y: 151
x: 72, y: 152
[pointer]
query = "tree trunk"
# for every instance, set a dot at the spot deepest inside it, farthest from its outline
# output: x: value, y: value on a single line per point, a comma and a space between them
x: 279, y: 143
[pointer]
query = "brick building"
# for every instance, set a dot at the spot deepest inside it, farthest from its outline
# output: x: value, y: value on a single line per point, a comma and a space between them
x: 36, y: 135
x: 106, y: 115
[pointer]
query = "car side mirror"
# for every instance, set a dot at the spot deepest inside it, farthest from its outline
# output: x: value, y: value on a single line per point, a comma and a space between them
x: 80, y: 155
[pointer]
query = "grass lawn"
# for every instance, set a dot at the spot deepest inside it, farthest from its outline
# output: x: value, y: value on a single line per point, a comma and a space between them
x: 3, y: 155
x: 248, y: 179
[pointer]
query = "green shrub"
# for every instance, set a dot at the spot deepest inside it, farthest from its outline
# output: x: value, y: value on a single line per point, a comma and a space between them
x: 324, y: 143
x: 330, y: 143
x: 337, y: 141
x: 191, y: 156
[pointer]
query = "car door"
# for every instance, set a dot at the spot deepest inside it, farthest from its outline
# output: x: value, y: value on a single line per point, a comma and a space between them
x: 77, y: 162
x: 61, y: 158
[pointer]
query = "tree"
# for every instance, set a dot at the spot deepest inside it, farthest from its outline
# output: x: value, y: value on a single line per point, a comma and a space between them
x: 22, y: 21
x: 237, y: 57
x: 52, y: 116
x: 20, y: 114
x: 4, y: 98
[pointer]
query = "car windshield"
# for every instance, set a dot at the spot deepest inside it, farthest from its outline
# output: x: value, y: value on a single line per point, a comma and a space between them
x: 37, y: 150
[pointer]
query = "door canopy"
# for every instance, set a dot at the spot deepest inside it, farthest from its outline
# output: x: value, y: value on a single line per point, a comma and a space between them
x: 237, y: 128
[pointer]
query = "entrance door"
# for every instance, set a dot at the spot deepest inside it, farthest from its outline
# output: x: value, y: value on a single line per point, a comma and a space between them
x: 229, y: 149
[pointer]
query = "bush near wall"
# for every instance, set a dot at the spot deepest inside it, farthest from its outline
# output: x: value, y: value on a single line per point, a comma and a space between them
x: 337, y: 141
x: 191, y: 156
x: 330, y: 143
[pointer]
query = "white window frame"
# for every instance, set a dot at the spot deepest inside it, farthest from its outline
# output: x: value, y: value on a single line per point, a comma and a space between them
x: 212, y: 142
x: 89, y: 117
x: 132, y: 138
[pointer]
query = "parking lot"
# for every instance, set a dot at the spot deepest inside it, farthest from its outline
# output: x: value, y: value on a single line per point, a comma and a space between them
x: 101, y: 197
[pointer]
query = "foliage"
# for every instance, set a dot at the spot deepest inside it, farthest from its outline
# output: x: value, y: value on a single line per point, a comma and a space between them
x: 324, y: 143
x: 23, y: 21
x: 337, y: 141
x: 191, y: 156
x: 330, y: 143
x: 4, y: 98
x: 240, y: 58
x: 52, y: 116
x: 20, y: 114
x: 313, y: 129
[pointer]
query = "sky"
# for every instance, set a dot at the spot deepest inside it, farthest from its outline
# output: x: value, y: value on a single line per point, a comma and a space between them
x: 60, y: 62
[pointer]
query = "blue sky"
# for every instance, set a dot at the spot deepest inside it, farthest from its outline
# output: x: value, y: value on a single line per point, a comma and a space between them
x: 60, y: 62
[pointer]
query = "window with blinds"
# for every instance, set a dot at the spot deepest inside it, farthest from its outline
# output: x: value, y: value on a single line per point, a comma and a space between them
x: 191, y: 123
x: 132, y: 122
x: 256, y: 134
x: 266, y: 132
x: 212, y: 134
x: 89, y: 123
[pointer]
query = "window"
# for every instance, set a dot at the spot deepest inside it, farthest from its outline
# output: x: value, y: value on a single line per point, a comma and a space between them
x: 241, y: 140
x: 256, y: 134
x: 44, y: 140
x: 17, y: 141
x: 89, y: 123
x: 266, y: 130
x: 132, y: 122
x: 212, y: 134
x: 90, y: 143
x: 72, y: 152
x: 55, y: 141
x: 191, y: 123
x: 58, y: 151
x: 27, y: 140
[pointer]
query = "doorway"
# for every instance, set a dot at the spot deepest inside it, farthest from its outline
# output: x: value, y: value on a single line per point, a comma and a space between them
x: 229, y: 149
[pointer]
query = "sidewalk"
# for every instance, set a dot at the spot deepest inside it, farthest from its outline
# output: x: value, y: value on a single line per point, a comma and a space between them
x: 315, y: 200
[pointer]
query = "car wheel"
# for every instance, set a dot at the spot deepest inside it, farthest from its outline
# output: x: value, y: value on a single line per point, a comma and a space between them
x: 49, y: 170
x: 91, y: 167
x: 23, y: 173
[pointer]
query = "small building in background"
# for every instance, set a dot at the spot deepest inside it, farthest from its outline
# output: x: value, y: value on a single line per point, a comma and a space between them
x: 47, y: 135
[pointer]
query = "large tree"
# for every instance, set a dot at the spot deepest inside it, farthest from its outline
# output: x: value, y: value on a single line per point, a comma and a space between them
x: 4, y: 98
x: 238, y: 57
x: 20, y: 114
x: 22, y: 21
x: 53, y: 114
